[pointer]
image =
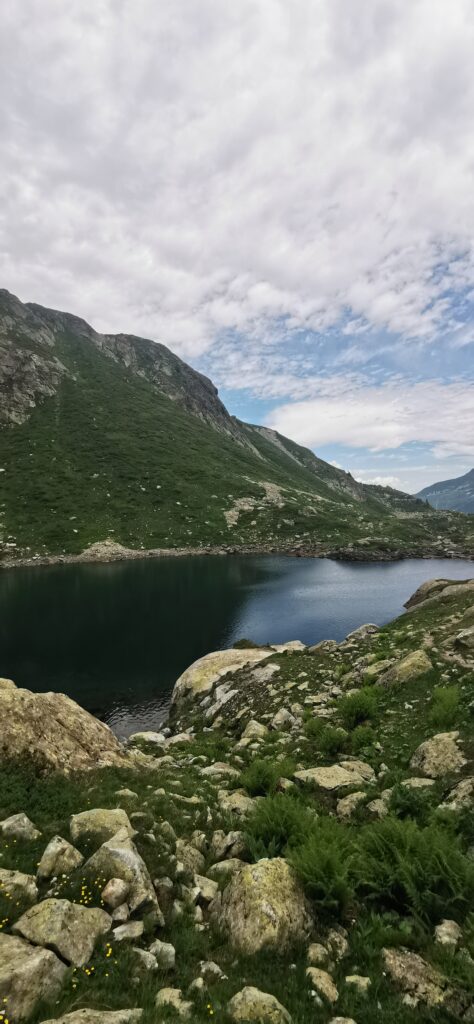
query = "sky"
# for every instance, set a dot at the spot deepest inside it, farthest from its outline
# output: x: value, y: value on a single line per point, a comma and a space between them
x: 281, y: 191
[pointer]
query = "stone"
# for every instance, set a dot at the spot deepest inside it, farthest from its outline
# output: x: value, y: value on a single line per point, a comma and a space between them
x: 59, y: 858
x: 220, y: 770
x: 254, y: 730
x: 414, y: 665
x: 337, y: 941
x: 119, y: 858
x: 438, y: 756
x: 346, y: 806
x: 461, y: 796
x: 359, y: 982
x: 154, y: 739
x: 237, y: 802
x: 448, y: 933
x: 19, y: 826
x: 68, y: 928
x: 99, y: 824
x: 465, y: 639
x: 200, y: 678
x: 371, y: 672
x: 224, y: 869
x: 17, y: 886
x: 211, y: 972
x: 417, y: 783
x: 250, y: 1004
x: 368, y: 629
x: 317, y: 954
x: 53, y: 732
x: 192, y: 860
x: 322, y: 982
x: 126, y: 794
x: 283, y: 720
x: 342, y: 1020
x: 129, y: 932
x: 323, y: 647
x: 208, y: 889
x: 230, y: 844
x: 336, y: 776
x: 115, y: 893
x: 180, y: 737
x: 28, y: 976
x: 165, y: 954
x: 263, y: 906
x: 99, y: 1017
x: 145, y: 962
x: 414, y: 976
x: 121, y: 914
x: 173, y: 998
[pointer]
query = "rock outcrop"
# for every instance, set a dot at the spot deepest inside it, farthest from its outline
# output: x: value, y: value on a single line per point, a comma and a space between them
x: 200, y: 678
x: 69, y: 929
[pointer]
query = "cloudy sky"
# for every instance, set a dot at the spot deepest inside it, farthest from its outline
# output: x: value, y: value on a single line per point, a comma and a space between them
x: 282, y: 191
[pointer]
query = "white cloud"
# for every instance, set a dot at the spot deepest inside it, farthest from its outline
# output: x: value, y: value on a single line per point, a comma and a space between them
x: 183, y: 170
x: 385, y: 417
x: 366, y: 477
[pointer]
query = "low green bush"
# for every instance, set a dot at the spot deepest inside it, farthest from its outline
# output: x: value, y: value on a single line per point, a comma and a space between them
x: 323, y: 863
x: 261, y: 776
x: 362, y: 738
x: 278, y: 824
x: 413, y: 870
x: 327, y: 739
x: 416, y: 804
x: 360, y: 707
x: 444, y: 706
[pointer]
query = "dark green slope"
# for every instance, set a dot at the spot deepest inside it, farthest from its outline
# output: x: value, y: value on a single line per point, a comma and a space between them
x: 92, y: 447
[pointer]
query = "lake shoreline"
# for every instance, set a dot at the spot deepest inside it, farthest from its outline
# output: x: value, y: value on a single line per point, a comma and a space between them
x: 105, y: 552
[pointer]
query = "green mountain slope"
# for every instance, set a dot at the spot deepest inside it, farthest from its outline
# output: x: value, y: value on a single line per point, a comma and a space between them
x: 115, y: 437
x: 456, y: 494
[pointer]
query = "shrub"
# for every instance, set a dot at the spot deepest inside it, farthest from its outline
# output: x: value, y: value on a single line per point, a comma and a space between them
x: 278, y: 824
x: 323, y: 863
x: 362, y: 738
x: 261, y: 776
x: 411, y: 803
x: 420, y: 871
x: 313, y: 728
x: 332, y: 741
x: 359, y: 707
x: 444, y: 706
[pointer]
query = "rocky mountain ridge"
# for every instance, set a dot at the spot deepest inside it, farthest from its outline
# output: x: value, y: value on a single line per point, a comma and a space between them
x: 457, y: 494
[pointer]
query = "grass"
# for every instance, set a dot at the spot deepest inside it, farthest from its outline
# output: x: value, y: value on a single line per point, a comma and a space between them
x: 358, y: 708
x: 261, y: 777
x: 444, y: 706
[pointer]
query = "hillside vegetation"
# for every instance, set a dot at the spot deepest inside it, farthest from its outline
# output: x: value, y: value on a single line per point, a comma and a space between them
x: 295, y: 847
x: 115, y: 437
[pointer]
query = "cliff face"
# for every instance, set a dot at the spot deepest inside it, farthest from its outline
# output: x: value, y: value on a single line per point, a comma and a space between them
x: 457, y: 494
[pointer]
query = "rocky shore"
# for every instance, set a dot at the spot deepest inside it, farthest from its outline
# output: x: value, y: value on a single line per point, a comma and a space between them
x: 296, y: 845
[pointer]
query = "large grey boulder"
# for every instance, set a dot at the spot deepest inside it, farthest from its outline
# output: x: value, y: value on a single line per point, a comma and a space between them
x: 200, y: 678
x: 438, y: 756
x: 17, y: 886
x: 423, y: 983
x: 461, y: 796
x: 263, y: 906
x: 59, y: 858
x: 99, y: 824
x: 19, y: 826
x: 250, y: 1004
x: 414, y: 665
x: 28, y: 975
x: 68, y: 928
x: 336, y: 776
x: 119, y: 858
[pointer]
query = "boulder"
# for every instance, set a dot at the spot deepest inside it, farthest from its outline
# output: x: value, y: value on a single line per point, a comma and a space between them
x: 224, y: 845
x: 336, y: 776
x: 200, y: 678
x: 418, y: 979
x: 59, y: 858
x: 224, y: 869
x: 283, y: 720
x: 238, y: 802
x: 322, y: 982
x: 172, y: 998
x: 317, y: 954
x: 7, y: 684
x: 263, y: 906
x: 129, y: 932
x: 252, y: 1005
x: 438, y: 756
x: 254, y: 731
x: 448, y: 933
x: 414, y: 665
x: 465, y: 639
x: 69, y: 929
x: 99, y: 824
x: 192, y: 860
x: 28, y: 975
x: 119, y: 858
x: 54, y: 732
x: 358, y: 981
x: 165, y: 954
x: 208, y: 889
x: 368, y: 629
x: 115, y: 893
x: 461, y: 796
x: 346, y: 806
x: 19, y: 826
x: 438, y: 592
x: 154, y: 739
x: 99, y: 1017
x: 17, y: 886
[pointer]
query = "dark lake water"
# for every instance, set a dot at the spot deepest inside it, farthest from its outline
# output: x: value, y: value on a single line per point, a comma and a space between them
x: 115, y: 637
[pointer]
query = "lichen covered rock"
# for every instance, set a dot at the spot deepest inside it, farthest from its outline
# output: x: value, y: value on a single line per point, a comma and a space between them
x: 252, y: 1005
x: 28, y: 975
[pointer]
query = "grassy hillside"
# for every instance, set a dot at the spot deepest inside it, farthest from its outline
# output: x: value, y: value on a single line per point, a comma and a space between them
x: 94, y: 448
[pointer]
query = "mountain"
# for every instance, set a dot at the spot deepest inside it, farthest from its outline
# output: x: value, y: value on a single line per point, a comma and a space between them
x: 114, y: 436
x: 457, y: 494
